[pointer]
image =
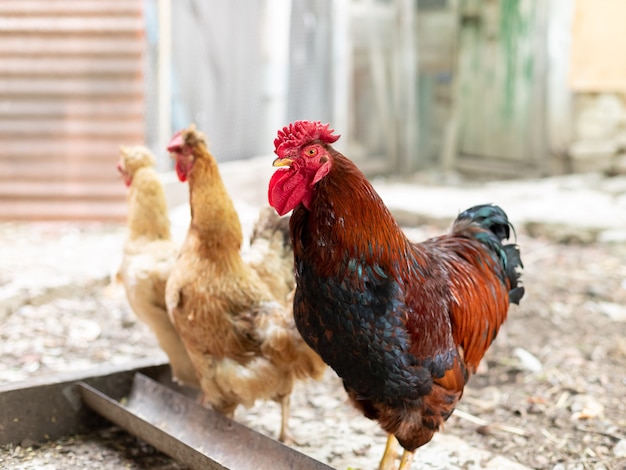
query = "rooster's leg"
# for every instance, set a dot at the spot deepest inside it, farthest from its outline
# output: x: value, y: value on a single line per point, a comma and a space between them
x: 407, y: 458
x: 389, y: 456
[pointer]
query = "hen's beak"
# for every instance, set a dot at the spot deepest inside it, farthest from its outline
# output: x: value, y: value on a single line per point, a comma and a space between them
x: 282, y: 162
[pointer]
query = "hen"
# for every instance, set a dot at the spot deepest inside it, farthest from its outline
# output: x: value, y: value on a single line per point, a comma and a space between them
x: 149, y: 255
x: 403, y: 324
x: 239, y: 333
x: 270, y: 254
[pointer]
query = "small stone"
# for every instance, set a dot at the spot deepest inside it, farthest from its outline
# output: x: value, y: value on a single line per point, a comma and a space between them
x: 83, y: 329
x: 615, y: 312
x: 620, y: 448
x: 586, y: 407
x: 29, y: 443
x: 527, y: 360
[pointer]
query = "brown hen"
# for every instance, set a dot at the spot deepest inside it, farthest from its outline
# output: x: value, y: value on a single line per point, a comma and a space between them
x: 232, y: 315
x: 149, y: 255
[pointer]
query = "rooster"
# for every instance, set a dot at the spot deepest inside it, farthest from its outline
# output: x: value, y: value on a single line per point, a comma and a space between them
x: 403, y: 324
x: 235, y: 321
x: 149, y: 255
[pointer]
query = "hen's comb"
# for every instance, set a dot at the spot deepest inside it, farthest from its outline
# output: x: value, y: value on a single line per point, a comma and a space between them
x: 298, y: 133
x: 188, y: 136
x: 176, y: 142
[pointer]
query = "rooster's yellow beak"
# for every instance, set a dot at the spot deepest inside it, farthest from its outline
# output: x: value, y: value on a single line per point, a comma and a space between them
x: 282, y: 162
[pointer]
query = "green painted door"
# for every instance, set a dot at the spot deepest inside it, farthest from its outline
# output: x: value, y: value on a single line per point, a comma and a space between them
x: 499, y: 94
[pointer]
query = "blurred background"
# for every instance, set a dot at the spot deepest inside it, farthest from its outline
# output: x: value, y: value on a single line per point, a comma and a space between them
x: 443, y: 104
x: 524, y: 88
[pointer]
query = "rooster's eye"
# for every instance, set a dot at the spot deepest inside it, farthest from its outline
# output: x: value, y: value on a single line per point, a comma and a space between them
x: 311, y: 152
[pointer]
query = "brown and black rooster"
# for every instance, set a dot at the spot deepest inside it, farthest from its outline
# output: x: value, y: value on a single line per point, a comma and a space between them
x: 403, y: 324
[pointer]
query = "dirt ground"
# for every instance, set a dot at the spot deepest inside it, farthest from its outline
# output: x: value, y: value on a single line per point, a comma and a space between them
x: 550, y: 395
x: 567, y: 396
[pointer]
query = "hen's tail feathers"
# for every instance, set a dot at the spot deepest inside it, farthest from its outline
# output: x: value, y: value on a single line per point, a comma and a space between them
x: 270, y: 225
x: 498, y: 229
x: 271, y: 253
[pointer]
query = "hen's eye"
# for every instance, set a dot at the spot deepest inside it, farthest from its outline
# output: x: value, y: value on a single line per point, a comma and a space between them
x: 311, y: 151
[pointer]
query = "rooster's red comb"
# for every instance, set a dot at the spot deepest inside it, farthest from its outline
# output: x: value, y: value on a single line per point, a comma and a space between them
x: 298, y: 133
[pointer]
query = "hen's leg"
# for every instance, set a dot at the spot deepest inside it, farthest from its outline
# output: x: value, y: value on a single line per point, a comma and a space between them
x: 389, y: 456
x: 407, y: 458
x: 284, y: 435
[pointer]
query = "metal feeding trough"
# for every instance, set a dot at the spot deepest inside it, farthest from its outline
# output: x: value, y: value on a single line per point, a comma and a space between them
x: 143, y: 401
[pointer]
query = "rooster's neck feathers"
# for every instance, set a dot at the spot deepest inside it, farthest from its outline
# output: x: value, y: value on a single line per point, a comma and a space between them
x: 347, y: 231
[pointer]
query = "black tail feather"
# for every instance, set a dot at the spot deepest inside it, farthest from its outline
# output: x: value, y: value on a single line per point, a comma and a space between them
x: 492, y: 218
x: 513, y: 272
